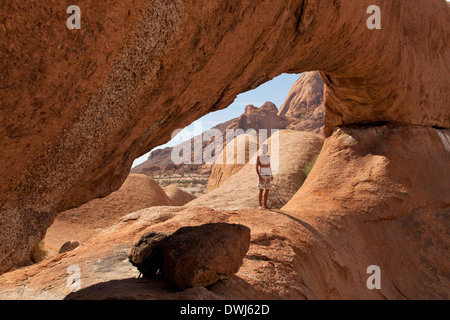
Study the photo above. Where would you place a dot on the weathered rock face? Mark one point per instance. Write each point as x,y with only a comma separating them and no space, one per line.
79,105
303,106
68,246
202,255
106,272
290,152
137,192
235,155
380,165
316,251
384,194
253,118
259,118
178,197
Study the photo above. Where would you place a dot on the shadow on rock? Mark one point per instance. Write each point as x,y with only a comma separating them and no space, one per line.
160,288
125,289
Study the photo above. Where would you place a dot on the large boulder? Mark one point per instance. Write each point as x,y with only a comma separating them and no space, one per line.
138,192
290,152
381,196
147,254
202,255
177,196
253,118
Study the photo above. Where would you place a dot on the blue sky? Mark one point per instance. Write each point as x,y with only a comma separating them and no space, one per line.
275,91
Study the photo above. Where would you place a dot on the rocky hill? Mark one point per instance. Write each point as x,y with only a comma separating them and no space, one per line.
160,163
389,209
78,106
239,152
236,189
80,224
303,107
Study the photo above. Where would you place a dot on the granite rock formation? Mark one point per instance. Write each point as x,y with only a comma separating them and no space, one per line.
82,223
303,107
160,160
177,196
382,196
202,255
234,156
78,106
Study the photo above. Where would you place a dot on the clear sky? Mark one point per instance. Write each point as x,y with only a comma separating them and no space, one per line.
274,91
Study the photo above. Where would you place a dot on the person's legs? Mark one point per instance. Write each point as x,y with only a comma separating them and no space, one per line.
261,198
266,196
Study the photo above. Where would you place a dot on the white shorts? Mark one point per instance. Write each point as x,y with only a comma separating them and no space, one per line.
266,182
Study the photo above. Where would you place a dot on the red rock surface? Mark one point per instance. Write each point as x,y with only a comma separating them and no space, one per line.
303,107
239,152
80,224
79,107
390,209
290,152
313,248
382,196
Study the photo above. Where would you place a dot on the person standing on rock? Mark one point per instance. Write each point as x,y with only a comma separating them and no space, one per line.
265,176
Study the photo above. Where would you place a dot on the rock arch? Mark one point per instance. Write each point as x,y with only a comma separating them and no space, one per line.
77,106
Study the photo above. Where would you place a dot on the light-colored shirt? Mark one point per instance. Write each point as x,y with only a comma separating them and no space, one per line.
265,171
264,159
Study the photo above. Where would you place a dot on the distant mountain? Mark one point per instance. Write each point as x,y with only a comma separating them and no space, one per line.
303,107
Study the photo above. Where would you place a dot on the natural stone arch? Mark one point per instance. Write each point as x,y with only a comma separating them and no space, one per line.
79,105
